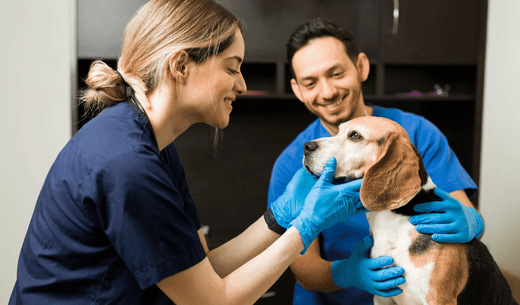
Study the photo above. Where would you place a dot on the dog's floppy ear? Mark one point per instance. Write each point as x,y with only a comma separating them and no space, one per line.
394,180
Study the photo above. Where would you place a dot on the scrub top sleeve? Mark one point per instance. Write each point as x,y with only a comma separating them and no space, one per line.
178,171
144,216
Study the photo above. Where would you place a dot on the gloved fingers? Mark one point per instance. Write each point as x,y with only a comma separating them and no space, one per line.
431,219
327,175
435,206
378,262
388,293
389,284
386,274
353,186
450,238
444,195
450,228
302,173
301,179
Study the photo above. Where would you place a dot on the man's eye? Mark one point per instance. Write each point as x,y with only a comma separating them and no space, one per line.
233,71
355,136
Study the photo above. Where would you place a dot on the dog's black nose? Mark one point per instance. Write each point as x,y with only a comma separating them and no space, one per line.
310,146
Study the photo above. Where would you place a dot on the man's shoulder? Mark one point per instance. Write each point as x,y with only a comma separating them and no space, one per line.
411,122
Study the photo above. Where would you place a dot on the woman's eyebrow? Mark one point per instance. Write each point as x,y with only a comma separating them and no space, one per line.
237,58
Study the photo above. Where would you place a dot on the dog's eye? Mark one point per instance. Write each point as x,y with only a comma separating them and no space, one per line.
355,136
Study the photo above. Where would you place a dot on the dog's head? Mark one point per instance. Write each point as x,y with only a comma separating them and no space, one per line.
376,149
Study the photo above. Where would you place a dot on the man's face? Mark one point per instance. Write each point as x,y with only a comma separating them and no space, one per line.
328,82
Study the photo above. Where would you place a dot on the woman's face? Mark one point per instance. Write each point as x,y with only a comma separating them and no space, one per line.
215,84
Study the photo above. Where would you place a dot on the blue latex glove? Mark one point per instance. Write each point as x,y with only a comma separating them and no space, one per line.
374,275
327,204
448,220
290,203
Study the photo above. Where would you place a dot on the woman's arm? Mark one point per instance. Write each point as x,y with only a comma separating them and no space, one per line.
325,205
236,252
200,284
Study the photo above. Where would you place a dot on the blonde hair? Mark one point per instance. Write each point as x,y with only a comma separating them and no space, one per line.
160,28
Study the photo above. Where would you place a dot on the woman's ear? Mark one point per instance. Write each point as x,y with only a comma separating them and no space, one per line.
178,65
363,66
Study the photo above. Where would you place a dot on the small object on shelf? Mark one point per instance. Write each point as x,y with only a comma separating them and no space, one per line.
443,92
438,92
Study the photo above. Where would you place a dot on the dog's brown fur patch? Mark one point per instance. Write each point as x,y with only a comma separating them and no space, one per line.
449,275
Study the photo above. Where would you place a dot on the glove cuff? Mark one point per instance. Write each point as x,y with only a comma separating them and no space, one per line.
306,232
272,224
479,222
334,273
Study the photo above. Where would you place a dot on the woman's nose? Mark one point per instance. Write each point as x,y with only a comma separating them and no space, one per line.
240,85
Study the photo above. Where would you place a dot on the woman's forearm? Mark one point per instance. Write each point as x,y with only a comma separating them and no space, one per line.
236,252
245,285
264,270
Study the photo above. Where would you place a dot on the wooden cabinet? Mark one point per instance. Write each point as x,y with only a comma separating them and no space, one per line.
429,31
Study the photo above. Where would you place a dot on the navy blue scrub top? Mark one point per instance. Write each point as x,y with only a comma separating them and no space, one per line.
113,219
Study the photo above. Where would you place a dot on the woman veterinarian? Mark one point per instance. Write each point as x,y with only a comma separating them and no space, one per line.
115,223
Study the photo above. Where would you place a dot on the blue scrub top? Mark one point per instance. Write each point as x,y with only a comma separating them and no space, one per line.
113,219
338,242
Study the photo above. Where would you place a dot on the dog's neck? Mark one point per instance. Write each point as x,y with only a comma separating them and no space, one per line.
424,195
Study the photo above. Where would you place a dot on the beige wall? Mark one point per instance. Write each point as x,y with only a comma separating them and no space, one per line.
37,53
500,163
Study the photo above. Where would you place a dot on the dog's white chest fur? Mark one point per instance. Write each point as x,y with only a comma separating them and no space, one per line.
392,237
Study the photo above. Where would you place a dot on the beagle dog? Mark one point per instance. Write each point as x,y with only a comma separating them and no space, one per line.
395,179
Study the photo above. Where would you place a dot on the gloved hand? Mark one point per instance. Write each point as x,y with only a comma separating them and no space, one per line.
448,220
327,204
374,275
290,203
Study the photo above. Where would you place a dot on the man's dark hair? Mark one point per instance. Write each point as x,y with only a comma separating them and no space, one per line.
318,28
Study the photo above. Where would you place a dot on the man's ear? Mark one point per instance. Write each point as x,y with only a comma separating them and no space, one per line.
296,89
178,65
363,66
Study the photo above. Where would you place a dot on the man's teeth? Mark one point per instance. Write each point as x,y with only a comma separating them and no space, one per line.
228,101
335,104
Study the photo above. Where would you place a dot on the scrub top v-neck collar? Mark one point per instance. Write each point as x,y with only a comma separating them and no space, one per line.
136,106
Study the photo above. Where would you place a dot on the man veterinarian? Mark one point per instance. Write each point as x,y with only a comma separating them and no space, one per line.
327,75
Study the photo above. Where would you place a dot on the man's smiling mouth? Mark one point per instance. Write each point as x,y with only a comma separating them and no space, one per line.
336,104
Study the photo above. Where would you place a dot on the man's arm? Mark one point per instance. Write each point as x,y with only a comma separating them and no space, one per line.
313,272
